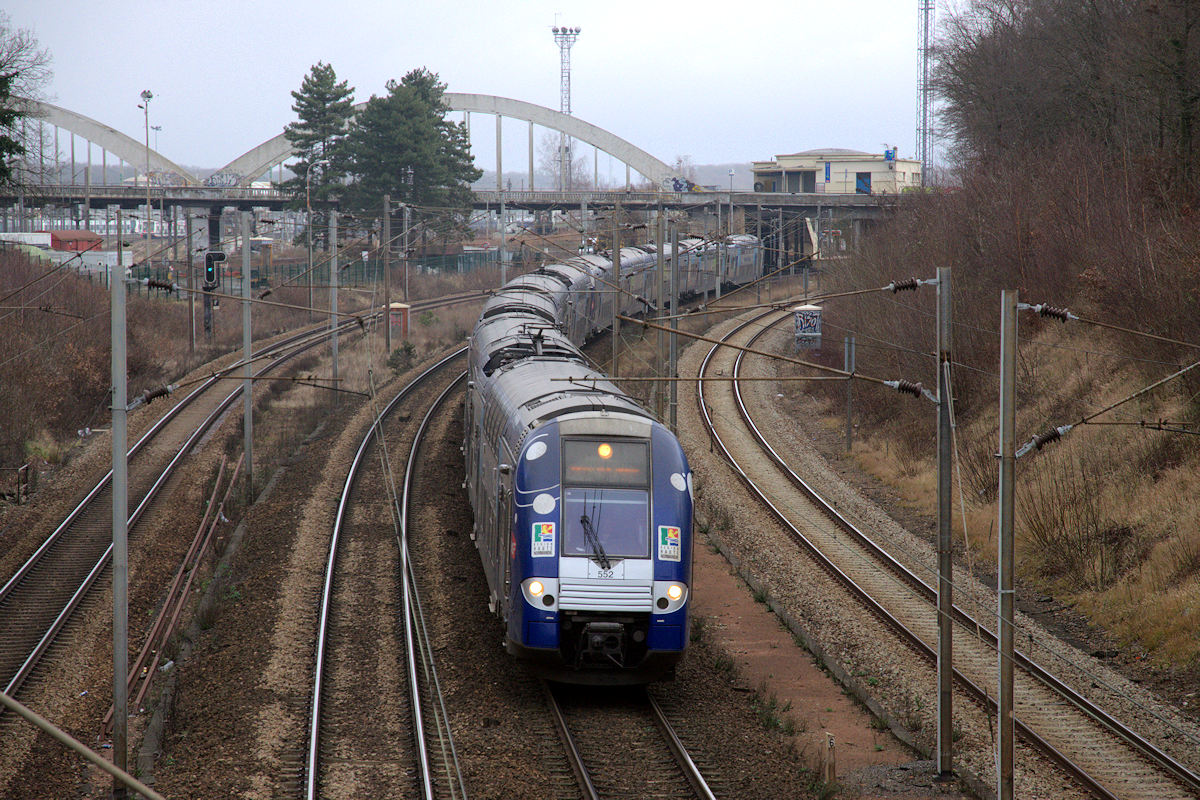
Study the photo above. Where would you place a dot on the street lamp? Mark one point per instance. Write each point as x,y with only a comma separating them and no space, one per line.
156,129
308,205
145,106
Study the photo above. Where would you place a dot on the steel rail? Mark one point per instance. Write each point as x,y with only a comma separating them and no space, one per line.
1179,771
916,642
574,757
916,583
686,764
375,430
414,612
88,582
146,438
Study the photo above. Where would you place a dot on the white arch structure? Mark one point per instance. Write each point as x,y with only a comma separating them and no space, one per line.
125,147
273,152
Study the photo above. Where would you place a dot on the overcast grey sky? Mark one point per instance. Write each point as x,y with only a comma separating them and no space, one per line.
719,82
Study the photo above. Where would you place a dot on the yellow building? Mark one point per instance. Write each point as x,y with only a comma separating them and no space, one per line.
837,171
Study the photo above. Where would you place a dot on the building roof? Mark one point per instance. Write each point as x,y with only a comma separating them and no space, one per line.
827,151
74,235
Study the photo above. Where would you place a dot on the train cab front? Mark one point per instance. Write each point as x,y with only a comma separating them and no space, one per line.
602,557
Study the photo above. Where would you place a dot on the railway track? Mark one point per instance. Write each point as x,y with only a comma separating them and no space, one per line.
621,744
377,724
40,598
37,602
1108,758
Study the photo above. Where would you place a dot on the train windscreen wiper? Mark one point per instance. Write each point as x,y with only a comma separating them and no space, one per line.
590,536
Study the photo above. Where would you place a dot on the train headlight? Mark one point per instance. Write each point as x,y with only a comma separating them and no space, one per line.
669,596
540,592
604,451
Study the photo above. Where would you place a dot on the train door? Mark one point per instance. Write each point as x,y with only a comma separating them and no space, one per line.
505,541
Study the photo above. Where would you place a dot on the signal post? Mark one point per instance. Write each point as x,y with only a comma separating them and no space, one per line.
212,280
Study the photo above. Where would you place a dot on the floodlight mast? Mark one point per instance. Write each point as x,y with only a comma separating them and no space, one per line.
927,10
565,38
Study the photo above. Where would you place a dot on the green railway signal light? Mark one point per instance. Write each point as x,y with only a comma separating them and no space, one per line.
212,274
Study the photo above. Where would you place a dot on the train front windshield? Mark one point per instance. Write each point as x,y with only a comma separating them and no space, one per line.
606,499
612,522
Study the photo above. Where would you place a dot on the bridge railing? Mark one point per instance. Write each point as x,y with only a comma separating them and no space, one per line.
180,193
212,195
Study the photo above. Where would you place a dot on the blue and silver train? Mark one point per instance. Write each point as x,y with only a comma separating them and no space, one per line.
582,500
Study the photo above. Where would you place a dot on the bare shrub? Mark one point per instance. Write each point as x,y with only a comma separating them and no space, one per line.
1069,535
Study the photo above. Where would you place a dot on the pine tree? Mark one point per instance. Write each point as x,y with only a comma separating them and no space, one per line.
323,106
10,145
401,144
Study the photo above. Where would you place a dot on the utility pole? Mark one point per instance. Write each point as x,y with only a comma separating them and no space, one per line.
145,106
500,254
120,522
849,367
660,297
187,251
673,367
616,293
406,246
945,596
387,270
247,369
758,253
333,297
717,293
1004,629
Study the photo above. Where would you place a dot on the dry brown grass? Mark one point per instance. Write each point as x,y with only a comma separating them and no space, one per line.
57,362
1106,517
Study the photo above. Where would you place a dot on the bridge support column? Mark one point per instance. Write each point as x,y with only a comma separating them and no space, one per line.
499,154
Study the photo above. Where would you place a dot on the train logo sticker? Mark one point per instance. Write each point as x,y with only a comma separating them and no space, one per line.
668,543
543,539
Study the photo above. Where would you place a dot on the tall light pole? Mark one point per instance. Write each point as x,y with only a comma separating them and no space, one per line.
308,206
156,129
565,38
145,106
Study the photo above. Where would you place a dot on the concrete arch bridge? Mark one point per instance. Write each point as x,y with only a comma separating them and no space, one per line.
271,154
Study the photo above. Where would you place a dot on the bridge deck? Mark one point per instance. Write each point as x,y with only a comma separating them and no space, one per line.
857,205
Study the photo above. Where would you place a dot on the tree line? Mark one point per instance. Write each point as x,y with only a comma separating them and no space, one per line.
398,144
1122,75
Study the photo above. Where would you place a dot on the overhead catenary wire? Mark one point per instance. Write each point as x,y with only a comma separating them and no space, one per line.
1066,315
918,558
1040,440
914,388
893,287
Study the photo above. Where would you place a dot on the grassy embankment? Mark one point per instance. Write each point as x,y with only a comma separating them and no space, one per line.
1106,518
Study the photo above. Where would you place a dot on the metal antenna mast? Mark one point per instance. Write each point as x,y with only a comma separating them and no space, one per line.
927,10
565,38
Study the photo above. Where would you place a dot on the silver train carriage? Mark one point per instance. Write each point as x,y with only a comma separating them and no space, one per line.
583,502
